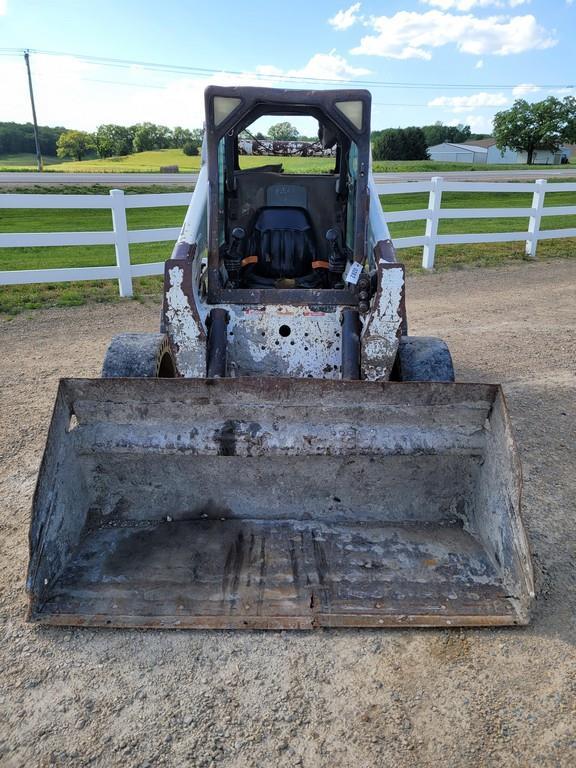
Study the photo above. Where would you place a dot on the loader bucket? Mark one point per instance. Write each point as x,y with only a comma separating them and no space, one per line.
278,503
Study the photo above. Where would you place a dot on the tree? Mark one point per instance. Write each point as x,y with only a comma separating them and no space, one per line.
190,148
570,105
16,138
75,144
439,133
543,124
389,145
282,132
400,144
113,140
151,136
415,147
181,137
197,134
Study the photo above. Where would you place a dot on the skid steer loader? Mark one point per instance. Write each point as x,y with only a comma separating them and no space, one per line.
282,454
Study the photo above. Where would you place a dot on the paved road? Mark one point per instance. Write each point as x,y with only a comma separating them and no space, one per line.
14,180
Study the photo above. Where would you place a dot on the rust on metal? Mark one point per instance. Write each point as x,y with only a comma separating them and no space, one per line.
278,503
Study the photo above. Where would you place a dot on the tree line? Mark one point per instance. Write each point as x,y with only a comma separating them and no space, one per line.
107,141
110,140
525,127
18,138
412,143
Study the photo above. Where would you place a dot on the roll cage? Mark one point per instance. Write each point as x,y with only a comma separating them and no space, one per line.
339,198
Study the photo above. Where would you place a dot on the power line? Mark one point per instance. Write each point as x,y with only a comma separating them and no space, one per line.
208,72
122,82
125,83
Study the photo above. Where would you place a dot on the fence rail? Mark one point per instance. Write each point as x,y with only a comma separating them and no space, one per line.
122,237
434,213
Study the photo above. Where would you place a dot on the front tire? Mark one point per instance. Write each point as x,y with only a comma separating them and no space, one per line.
422,358
139,355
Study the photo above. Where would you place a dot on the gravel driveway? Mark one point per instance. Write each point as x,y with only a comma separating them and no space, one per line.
323,699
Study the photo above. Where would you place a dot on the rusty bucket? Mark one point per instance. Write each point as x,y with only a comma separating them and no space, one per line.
278,503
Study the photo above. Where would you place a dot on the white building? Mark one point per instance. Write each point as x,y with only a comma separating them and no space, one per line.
458,153
482,151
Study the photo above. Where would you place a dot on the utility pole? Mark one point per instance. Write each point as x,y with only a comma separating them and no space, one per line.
36,139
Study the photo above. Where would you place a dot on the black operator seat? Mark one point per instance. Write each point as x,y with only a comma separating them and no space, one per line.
281,245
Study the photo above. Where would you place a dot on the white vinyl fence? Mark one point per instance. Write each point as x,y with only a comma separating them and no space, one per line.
434,212
119,236
122,237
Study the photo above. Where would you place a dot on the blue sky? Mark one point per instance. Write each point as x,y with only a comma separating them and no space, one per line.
427,60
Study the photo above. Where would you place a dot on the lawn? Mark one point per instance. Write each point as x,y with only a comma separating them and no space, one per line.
26,161
419,200
150,162
16,298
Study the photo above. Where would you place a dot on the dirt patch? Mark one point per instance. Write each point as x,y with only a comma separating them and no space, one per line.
326,698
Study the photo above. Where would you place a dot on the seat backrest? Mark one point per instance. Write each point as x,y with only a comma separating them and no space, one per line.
282,239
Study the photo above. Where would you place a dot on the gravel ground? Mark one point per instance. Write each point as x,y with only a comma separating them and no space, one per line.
354,699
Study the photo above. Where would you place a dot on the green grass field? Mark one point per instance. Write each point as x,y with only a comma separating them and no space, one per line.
150,162
26,162
14,299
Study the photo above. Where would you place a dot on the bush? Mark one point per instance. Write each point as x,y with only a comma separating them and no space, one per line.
190,148
400,144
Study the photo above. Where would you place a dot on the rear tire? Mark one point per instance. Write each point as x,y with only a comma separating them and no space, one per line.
422,358
139,355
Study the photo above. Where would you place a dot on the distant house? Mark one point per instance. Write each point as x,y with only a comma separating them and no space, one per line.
482,151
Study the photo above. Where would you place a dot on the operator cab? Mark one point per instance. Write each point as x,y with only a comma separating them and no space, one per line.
271,230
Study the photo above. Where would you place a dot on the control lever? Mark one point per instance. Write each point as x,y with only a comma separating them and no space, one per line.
337,258
233,258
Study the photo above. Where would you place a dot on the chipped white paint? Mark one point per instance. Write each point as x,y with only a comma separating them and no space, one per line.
392,285
278,340
379,339
186,334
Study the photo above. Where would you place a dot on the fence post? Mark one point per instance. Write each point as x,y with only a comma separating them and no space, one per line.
434,205
121,241
534,221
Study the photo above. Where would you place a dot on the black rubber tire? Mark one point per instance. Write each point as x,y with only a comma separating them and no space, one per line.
422,358
139,355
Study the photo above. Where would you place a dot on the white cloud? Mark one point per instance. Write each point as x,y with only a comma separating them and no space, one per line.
3,7
473,101
345,19
327,66
412,35
460,5
467,5
479,64
83,95
322,66
477,123
523,89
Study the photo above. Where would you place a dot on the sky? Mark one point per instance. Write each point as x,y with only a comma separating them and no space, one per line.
128,61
